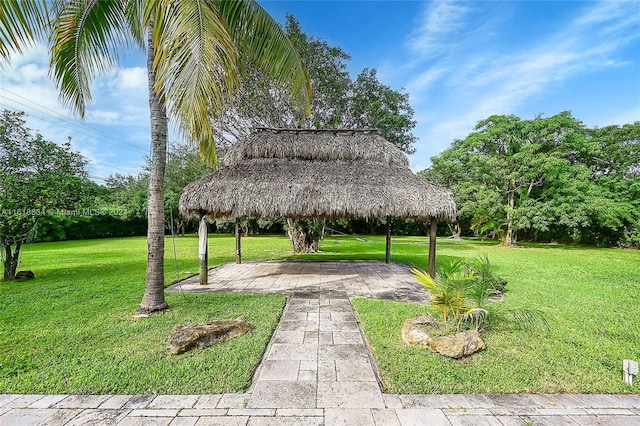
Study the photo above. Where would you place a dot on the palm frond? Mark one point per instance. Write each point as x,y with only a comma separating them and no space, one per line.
265,40
86,37
198,44
425,279
475,315
137,12
526,318
22,23
196,64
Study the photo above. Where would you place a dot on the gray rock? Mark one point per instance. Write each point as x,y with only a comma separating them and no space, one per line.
425,330
186,337
420,330
457,345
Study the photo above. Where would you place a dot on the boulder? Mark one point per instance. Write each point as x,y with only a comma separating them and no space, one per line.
457,345
186,337
420,330
424,330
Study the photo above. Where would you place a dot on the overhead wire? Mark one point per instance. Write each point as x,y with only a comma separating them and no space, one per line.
56,118
46,114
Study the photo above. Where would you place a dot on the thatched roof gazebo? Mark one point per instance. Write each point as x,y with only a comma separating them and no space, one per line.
304,173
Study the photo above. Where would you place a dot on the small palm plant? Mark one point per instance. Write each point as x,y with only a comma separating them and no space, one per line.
464,291
452,292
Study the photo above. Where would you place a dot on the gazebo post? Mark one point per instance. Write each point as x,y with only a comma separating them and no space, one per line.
387,258
238,242
203,250
433,232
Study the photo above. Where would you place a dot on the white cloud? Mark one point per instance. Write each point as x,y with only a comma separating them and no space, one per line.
425,80
439,21
116,125
134,78
480,82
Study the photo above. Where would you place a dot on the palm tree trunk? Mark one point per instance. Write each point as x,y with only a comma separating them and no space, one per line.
153,299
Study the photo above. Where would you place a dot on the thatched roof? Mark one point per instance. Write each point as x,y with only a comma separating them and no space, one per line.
315,173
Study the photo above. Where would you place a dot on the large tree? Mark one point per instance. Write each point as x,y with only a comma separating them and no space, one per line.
38,178
338,102
612,156
550,178
511,175
193,51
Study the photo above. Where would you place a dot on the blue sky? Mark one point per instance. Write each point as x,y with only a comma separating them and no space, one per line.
460,62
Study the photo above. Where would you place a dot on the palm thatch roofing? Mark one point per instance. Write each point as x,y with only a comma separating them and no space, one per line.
315,173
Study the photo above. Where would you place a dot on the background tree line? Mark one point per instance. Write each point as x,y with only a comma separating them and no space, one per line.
546,179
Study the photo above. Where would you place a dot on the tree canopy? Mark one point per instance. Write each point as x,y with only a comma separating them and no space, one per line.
338,100
545,179
193,49
38,179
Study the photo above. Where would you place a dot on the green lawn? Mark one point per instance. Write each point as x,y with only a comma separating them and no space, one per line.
70,330
590,297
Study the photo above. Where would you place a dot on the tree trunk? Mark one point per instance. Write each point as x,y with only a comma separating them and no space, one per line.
11,261
238,242
203,250
372,226
303,236
455,231
511,202
153,299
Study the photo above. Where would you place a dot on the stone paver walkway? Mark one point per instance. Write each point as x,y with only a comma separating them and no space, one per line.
318,359
317,371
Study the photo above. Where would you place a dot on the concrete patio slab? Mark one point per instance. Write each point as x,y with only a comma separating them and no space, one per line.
349,416
422,416
274,369
97,417
173,401
349,395
385,416
82,401
323,280
22,401
286,421
26,417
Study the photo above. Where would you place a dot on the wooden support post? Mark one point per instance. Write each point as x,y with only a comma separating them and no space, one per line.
238,242
433,233
387,258
203,251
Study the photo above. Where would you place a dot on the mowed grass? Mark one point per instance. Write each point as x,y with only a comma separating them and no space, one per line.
70,330
589,296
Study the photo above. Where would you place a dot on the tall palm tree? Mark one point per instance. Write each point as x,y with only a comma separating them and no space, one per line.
192,61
